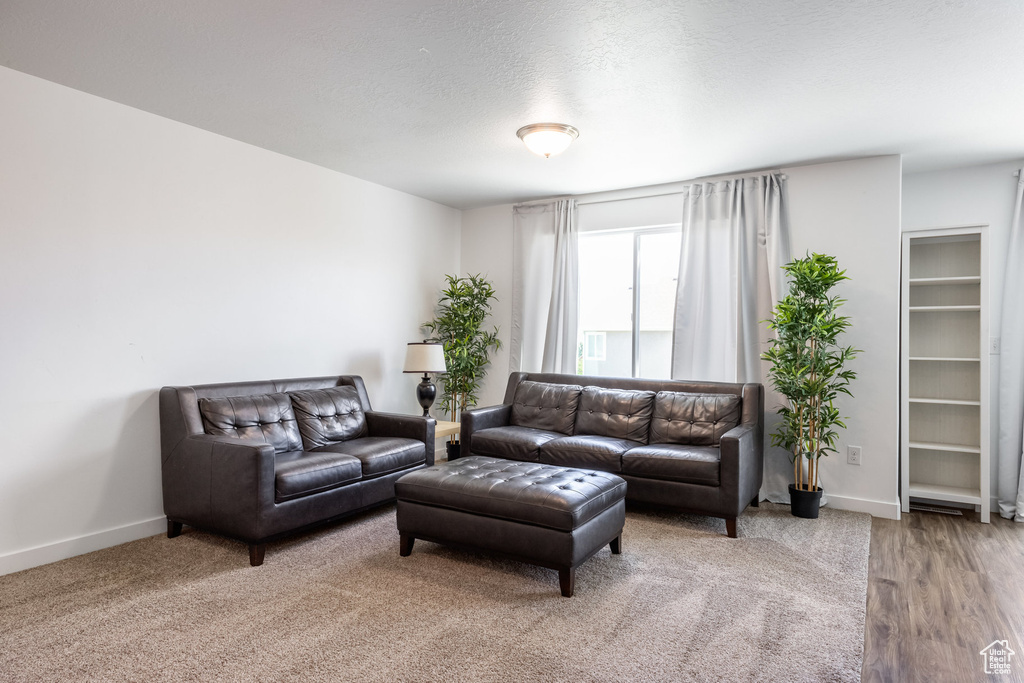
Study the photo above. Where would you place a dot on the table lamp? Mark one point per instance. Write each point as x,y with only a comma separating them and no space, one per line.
425,357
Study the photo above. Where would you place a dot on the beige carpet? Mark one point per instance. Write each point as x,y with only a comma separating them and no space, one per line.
785,602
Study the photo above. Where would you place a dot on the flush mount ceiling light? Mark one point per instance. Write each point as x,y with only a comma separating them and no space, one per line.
547,139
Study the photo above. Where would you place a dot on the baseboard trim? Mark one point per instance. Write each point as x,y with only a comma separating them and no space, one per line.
875,508
61,550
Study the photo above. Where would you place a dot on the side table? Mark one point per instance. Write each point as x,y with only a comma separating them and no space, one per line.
443,429
447,429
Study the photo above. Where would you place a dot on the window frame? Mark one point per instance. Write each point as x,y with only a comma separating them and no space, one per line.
638,233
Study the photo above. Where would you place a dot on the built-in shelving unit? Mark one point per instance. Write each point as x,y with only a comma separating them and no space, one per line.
944,440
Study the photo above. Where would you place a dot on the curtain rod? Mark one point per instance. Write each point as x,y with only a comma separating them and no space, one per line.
702,179
624,199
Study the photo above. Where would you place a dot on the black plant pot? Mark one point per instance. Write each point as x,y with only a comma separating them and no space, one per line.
452,448
804,503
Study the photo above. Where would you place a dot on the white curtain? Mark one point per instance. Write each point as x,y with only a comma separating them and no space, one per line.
1011,372
545,288
735,242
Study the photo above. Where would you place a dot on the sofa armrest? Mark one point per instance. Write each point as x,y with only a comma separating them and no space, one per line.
482,418
742,466
221,482
405,427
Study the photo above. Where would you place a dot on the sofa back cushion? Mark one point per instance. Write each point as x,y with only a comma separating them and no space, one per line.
551,407
693,419
260,417
328,416
618,413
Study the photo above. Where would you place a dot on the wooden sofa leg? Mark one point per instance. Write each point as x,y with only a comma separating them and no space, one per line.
405,542
616,545
756,502
256,552
730,526
173,529
567,581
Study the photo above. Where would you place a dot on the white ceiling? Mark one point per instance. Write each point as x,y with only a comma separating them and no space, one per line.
426,95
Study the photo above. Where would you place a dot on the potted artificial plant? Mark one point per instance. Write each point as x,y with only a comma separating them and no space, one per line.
808,369
459,326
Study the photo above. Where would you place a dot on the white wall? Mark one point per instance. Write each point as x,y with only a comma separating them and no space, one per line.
137,252
487,250
851,210
975,195
848,209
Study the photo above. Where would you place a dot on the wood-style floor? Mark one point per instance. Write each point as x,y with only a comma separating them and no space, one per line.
941,588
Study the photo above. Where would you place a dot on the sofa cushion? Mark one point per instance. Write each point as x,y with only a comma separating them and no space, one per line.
267,418
549,407
673,462
694,419
380,455
618,413
511,443
301,473
587,451
326,416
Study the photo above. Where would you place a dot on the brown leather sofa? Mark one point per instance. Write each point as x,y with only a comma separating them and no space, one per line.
258,460
693,446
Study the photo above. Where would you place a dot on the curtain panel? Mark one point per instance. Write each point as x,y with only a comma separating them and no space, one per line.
1010,485
735,241
545,288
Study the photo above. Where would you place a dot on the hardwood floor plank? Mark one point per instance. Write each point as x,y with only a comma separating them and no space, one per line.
1002,560
940,589
884,632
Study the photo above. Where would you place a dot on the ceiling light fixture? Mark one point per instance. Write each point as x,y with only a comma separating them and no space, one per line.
547,139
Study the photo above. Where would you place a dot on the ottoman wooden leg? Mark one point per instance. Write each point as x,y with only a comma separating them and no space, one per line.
567,581
405,542
616,545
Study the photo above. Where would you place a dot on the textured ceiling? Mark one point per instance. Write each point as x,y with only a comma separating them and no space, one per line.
425,96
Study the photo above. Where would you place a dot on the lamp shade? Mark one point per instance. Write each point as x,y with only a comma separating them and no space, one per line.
424,357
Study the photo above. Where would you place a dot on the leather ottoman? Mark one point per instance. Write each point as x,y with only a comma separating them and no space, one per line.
555,517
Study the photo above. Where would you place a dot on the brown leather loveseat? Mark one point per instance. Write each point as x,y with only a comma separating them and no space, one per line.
258,460
692,446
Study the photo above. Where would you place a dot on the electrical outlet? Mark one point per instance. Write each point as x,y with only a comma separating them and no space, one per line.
993,346
853,455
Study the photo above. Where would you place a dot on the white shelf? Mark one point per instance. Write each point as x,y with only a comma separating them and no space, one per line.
933,309
952,494
959,280
944,407
948,447
945,401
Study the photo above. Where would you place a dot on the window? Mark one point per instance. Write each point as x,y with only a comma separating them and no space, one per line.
594,343
627,301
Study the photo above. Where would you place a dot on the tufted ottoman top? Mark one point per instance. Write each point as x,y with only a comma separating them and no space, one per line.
545,495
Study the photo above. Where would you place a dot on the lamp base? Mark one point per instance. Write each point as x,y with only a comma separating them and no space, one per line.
426,392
